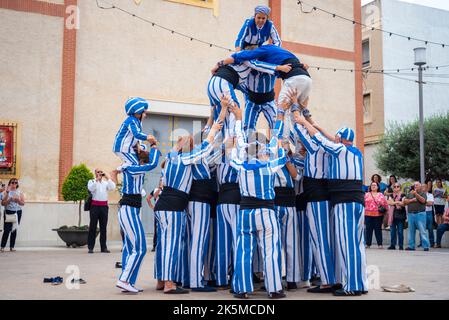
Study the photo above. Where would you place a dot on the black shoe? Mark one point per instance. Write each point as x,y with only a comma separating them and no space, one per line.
105,251
204,289
409,249
419,245
337,286
401,248
291,286
277,295
320,290
90,251
365,292
154,249
242,295
186,286
391,248
80,281
118,265
344,293
178,290
426,249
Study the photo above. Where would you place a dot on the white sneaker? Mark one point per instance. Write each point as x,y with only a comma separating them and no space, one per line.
138,289
126,287
304,284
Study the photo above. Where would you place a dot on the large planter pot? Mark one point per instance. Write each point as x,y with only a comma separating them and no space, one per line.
74,238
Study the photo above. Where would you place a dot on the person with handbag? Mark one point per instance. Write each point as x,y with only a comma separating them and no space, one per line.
13,200
399,217
99,188
375,207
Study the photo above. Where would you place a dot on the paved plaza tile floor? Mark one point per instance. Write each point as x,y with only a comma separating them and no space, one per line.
22,274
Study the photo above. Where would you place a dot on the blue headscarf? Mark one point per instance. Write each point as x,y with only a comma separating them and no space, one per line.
262,9
346,133
136,105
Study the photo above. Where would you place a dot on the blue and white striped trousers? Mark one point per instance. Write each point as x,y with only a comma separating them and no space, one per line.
349,246
128,158
252,112
172,226
305,248
183,268
210,263
135,243
322,237
288,222
199,213
226,240
216,88
257,227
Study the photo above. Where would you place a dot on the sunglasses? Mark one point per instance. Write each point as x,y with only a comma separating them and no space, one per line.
396,187
14,182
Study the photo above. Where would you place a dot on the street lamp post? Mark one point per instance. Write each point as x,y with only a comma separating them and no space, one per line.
420,61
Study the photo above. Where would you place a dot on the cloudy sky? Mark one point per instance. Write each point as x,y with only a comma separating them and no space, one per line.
440,4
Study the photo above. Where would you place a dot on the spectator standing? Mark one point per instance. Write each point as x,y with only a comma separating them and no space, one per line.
429,214
390,188
374,201
442,228
440,196
399,217
13,200
99,187
415,201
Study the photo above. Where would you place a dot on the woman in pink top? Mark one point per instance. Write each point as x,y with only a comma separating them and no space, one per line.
373,218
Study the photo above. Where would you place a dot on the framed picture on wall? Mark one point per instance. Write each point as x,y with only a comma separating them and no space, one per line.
8,149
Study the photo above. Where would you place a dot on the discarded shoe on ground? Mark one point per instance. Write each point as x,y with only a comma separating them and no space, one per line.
398,288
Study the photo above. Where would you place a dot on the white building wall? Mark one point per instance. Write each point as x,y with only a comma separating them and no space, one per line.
401,97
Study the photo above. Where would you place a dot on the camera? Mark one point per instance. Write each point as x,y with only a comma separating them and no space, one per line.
103,175
412,188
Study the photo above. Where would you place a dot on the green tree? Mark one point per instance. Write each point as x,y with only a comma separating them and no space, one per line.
74,187
398,152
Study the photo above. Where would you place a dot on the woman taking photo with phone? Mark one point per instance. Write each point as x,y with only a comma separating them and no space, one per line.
13,200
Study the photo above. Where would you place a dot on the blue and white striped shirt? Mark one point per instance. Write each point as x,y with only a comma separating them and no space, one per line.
256,178
134,175
178,167
250,34
345,162
245,68
316,163
126,138
260,82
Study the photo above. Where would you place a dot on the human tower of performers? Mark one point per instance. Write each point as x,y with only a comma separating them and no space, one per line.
233,208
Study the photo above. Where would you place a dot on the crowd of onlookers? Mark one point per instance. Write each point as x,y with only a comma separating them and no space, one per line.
395,207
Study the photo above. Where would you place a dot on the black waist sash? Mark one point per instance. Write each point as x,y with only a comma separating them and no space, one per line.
346,191
261,98
229,194
297,69
285,197
229,74
132,200
316,190
172,200
203,191
301,202
250,203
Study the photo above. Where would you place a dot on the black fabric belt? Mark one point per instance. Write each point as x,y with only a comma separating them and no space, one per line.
297,69
285,197
261,98
229,74
172,199
229,194
316,189
203,191
346,191
132,200
249,203
301,202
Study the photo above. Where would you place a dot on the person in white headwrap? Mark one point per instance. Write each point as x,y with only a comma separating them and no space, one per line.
257,30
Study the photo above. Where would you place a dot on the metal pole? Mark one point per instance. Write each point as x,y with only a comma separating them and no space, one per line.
421,127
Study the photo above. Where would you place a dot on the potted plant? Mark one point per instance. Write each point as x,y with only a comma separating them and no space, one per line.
74,189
